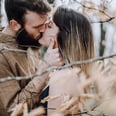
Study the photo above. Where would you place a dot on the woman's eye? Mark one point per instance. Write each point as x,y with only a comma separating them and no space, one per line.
50,24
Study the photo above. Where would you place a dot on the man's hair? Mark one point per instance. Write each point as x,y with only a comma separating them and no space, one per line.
75,39
16,9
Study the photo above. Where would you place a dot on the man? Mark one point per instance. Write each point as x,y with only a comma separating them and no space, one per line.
19,53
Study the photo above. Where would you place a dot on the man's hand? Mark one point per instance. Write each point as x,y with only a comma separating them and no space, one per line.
52,56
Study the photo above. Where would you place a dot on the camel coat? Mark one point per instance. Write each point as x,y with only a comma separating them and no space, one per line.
15,63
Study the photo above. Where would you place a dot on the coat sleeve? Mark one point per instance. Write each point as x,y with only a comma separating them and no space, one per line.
11,93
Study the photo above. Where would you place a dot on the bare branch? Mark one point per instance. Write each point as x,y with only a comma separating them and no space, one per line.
51,68
19,50
107,20
100,10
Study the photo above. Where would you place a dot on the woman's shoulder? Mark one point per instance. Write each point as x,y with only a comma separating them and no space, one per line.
65,72
65,75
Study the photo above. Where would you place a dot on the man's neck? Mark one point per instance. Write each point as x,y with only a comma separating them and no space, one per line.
7,30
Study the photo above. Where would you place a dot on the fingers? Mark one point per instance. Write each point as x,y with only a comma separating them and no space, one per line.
52,56
73,109
51,44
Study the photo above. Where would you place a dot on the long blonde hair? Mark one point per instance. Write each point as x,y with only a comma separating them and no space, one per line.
75,39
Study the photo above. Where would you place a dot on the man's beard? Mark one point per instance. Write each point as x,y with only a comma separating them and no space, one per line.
25,40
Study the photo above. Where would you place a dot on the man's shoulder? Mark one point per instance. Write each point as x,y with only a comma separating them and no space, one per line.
5,38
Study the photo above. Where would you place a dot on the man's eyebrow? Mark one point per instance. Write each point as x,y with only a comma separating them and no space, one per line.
38,25
45,22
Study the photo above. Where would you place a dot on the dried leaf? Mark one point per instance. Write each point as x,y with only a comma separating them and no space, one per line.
37,112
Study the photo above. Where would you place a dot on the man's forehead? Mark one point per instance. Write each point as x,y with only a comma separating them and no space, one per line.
34,19
42,22
30,15
46,18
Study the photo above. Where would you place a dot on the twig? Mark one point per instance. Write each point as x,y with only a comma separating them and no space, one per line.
51,68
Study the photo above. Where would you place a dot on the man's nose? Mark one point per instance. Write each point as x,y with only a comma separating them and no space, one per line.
43,28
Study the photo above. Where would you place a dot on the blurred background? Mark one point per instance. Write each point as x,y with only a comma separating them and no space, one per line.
101,14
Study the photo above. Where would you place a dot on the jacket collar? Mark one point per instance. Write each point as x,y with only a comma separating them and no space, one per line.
5,38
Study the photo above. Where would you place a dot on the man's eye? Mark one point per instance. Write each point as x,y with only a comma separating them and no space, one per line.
39,26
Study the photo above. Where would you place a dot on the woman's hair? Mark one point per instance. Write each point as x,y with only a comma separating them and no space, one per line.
75,39
16,9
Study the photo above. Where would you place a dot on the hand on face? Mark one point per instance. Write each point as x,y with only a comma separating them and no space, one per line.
52,55
50,33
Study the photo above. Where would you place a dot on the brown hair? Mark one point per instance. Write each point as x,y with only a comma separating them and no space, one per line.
75,39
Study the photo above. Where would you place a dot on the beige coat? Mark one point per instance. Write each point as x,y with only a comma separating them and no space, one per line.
13,64
69,82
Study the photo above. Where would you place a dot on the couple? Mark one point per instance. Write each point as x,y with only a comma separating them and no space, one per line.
68,38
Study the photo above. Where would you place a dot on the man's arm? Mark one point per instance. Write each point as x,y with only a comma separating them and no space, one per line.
52,57
16,94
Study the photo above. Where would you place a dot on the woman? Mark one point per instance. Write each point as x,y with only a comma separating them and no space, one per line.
72,34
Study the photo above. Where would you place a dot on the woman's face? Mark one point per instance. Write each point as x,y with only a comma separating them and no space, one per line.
49,34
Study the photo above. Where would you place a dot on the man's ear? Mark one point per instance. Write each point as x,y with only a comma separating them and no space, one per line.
14,25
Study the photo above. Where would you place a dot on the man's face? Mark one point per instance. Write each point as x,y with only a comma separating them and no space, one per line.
35,25
49,34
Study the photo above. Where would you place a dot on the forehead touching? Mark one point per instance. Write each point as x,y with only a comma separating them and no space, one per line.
34,19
